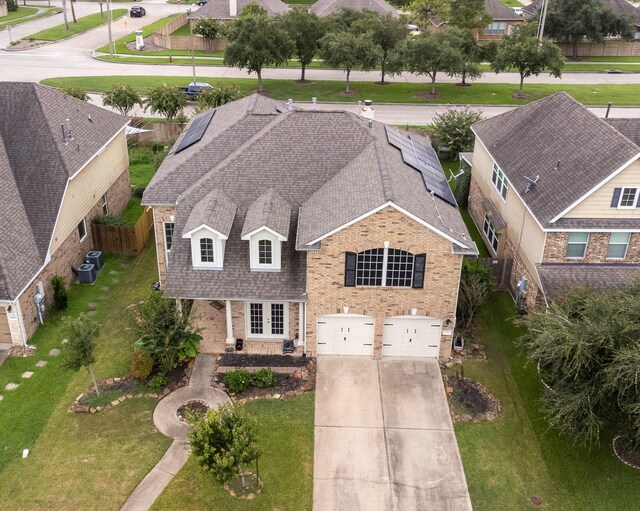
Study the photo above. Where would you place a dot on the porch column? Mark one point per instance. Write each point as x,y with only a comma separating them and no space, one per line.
227,308
302,326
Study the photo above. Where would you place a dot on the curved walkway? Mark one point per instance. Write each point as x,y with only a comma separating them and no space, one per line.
166,420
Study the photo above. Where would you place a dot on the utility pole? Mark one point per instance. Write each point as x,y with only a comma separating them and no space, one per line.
110,19
193,56
543,19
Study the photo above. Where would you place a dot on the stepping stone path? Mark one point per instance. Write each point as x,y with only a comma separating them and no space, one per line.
65,341
27,374
1,397
41,363
54,352
93,305
12,386
91,313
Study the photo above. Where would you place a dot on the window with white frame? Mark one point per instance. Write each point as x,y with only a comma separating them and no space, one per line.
265,252
370,267
399,268
82,230
577,245
490,232
618,244
206,250
499,181
104,205
168,235
628,197
495,28
384,267
265,249
267,319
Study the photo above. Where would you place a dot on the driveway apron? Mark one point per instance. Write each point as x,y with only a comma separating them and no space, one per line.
384,438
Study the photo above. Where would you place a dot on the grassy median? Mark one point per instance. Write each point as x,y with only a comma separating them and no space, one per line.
60,32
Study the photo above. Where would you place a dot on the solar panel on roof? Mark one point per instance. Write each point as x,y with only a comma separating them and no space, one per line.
195,131
423,158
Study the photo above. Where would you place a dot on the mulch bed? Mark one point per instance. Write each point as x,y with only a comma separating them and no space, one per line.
245,360
22,351
479,404
195,407
626,455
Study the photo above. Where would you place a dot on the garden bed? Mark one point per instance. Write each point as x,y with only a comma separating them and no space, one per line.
246,360
470,401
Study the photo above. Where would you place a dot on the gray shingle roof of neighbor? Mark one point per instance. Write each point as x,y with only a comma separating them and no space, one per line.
630,128
556,278
35,165
500,12
326,7
219,9
624,8
214,210
558,139
269,210
329,167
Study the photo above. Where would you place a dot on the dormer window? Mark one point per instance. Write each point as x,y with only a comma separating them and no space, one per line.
206,250
265,251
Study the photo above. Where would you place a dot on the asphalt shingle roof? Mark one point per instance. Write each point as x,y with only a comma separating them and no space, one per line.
556,278
219,9
269,210
326,7
498,11
214,210
558,139
35,165
327,167
630,128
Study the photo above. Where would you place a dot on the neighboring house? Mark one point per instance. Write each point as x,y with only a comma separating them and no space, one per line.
284,223
4,11
503,19
62,162
557,190
326,7
229,9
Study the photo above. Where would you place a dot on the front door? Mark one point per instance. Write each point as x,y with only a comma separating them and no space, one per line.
268,319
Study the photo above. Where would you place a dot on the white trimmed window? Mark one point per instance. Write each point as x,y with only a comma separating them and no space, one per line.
168,235
499,181
628,197
265,249
490,232
82,230
577,245
207,249
267,319
618,244
104,205
389,267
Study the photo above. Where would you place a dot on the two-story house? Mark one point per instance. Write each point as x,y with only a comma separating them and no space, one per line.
62,162
557,189
322,226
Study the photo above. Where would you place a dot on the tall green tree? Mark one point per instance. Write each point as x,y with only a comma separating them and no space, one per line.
166,100
426,10
577,20
587,346
468,14
223,441
122,97
209,28
431,53
471,54
305,30
388,32
79,353
256,40
218,95
522,51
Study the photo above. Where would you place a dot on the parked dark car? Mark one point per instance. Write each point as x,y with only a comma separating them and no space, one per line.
137,11
202,2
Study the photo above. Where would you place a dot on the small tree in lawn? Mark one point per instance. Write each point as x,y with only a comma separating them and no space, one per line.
431,53
522,51
255,40
452,128
166,100
79,352
388,32
305,30
476,281
471,55
122,97
224,441
218,95
165,332
76,92
348,50
209,28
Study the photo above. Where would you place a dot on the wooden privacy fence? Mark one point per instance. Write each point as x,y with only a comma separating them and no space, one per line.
501,269
123,240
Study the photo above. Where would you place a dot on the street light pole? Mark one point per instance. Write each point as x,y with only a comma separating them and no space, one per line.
109,20
193,57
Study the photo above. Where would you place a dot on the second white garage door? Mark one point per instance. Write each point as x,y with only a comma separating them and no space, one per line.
411,336
345,334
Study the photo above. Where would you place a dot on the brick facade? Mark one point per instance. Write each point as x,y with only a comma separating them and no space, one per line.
325,276
555,249
70,253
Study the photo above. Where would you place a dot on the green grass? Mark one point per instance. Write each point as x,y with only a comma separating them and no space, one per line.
59,32
285,430
508,460
20,13
13,21
611,59
141,167
147,30
512,3
183,30
133,211
398,92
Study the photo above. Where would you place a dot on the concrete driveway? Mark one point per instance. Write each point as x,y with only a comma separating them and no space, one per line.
384,438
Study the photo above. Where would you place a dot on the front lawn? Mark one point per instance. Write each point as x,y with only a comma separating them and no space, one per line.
517,456
86,23
285,430
20,13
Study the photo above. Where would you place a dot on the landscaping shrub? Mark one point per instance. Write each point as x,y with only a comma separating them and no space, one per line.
264,378
138,191
112,220
461,192
158,157
60,296
157,382
12,5
237,381
76,92
141,365
452,129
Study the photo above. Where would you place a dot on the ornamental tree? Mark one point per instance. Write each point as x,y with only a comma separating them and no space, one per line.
431,53
476,282
388,32
122,97
209,28
218,95
471,55
166,100
452,128
305,29
79,353
76,92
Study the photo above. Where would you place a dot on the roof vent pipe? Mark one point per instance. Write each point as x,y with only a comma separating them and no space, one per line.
314,102
360,109
606,116
289,104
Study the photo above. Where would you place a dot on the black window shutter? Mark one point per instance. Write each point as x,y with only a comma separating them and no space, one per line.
350,269
616,197
419,265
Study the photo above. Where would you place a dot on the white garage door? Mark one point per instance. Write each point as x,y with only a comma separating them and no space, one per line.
411,336
345,334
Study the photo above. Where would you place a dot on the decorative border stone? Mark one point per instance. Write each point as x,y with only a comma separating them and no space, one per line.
619,456
249,496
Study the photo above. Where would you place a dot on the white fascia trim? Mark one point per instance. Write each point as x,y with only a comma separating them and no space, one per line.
166,266
206,227
100,151
380,208
593,230
280,237
511,188
595,188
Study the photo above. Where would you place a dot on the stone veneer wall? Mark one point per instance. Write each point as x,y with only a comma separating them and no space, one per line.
325,276
555,249
70,253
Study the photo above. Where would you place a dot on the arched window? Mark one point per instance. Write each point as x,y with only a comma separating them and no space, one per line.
386,267
206,250
370,266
